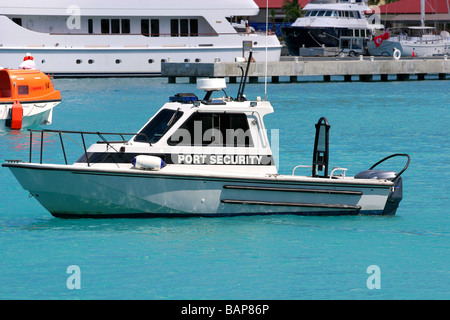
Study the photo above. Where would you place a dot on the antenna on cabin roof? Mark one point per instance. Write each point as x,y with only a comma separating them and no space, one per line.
240,95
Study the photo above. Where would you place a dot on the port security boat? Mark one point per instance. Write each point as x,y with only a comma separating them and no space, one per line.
201,157
123,38
27,98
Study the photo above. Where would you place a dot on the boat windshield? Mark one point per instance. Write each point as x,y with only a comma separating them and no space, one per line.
159,125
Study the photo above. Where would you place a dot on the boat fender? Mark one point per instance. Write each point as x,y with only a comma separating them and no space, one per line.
148,162
397,54
16,116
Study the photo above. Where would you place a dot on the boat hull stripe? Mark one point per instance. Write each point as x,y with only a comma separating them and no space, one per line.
292,204
356,193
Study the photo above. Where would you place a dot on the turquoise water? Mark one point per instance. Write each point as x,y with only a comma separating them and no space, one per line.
262,257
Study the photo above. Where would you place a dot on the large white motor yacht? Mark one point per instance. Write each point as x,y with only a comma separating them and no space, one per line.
327,21
98,37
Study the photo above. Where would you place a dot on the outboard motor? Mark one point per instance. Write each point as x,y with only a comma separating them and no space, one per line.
396,194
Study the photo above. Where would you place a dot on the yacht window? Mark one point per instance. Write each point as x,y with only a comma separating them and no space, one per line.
307,14
145,27
184,27
328,13
321,13
313,13
115,26
357,15
159,125
216,129
17,21
194,27
155,27
105,25
125,25
335,13
174,27
90,26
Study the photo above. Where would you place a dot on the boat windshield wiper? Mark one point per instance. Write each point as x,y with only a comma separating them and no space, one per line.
171,121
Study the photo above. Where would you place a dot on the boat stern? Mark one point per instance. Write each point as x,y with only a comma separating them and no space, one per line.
396,193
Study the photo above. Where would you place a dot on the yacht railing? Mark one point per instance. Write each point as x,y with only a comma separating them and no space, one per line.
336,1
82,134
164,35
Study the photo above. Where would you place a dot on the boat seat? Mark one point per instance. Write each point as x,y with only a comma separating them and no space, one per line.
319,167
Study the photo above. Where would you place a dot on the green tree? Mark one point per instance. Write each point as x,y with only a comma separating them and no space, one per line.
272,14
291,9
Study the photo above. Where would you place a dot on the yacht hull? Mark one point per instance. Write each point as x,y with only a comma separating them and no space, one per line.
73,191
309,37
130,61
423,49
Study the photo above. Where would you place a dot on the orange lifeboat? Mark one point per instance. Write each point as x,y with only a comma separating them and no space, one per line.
27,98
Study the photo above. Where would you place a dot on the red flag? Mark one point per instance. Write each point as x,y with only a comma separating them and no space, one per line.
378,40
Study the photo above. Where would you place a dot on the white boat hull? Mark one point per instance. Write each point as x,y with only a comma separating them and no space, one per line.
78,191
127,61
385,49
423,49
34,114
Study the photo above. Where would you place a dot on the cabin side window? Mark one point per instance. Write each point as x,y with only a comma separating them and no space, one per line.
115,26
90,26
145,27
104,25
125,24
213,129
174,27
158,126
17,21
193,23
155,27
184,27
23,90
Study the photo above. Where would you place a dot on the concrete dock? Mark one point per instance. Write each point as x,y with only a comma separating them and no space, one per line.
363,68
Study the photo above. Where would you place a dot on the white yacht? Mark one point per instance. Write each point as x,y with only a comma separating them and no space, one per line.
201,157
416,41
419,41
98,37
325,22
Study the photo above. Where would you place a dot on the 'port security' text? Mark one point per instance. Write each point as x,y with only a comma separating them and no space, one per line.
223,159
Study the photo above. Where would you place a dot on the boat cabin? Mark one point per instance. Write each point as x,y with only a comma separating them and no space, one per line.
26,85
221,134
